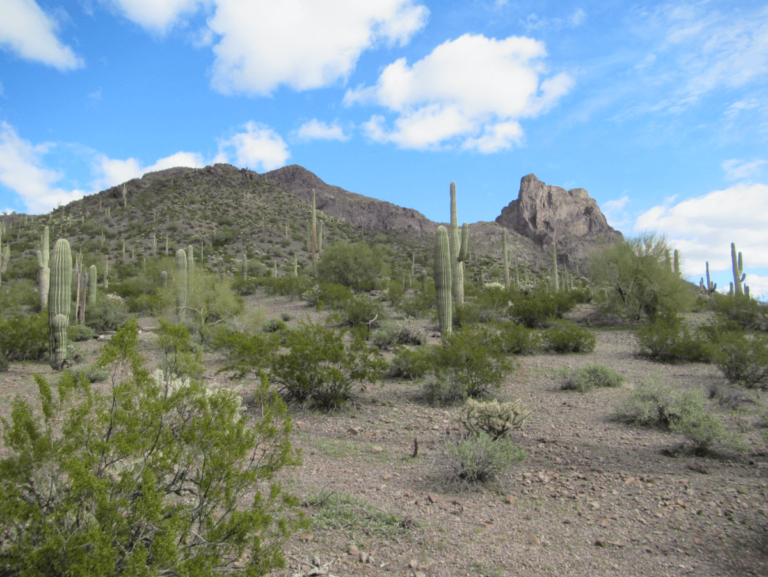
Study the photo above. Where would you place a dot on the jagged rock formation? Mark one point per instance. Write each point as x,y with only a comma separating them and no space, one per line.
369,213
543,212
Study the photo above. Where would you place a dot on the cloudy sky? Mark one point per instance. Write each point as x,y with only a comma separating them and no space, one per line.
659,110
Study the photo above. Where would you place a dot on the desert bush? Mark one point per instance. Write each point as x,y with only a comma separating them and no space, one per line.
108,314
19,296
479,458
410,364
589,377
290,286
748,313
244,287
534,309
493,418
566,337
471,361
320,369
88,474
743,359
517,339
3,362
286,317
25,337
338,510
273,326
244,354
395,291
417,305
667,339
355,266
92,373
329,295
363,310
80,333
391,334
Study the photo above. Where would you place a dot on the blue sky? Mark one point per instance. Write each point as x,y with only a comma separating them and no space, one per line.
659,110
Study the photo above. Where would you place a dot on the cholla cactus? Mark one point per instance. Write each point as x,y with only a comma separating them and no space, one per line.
493,418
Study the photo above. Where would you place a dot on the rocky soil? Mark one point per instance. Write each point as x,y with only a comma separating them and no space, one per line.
594,497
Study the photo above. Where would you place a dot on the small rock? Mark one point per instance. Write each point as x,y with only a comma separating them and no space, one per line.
432,498
300,425
413,564
307,537
386,476
316,561
698,467
600,543
354,551
363,556
534,540
376,449
419,574
510,500
594,505
353,431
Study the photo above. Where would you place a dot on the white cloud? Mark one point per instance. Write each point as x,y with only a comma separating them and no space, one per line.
615,211
472,89
758,285
704,227
156,15
534,22
303,44
114,171
31,33
258,148
736,169
22,170
318,130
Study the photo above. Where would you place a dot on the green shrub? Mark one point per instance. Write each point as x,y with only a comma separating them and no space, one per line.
355,266
19,296
391,334
493,418
519,340
743,359
108,314
92,373
342,511
25,337
286,317
472,361
178,468
243,287
330,295
244,354
417,305
748,313
80,333
395,291
3,362
273,326
480,458
534,309
410,364
589,377
363,310
566,337
320,369
667,339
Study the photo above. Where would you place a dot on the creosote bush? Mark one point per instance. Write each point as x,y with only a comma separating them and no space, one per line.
363,310
409,363
144,480
743,359
587,378
25,337
667,339
567,337
517,339
478,458
391,334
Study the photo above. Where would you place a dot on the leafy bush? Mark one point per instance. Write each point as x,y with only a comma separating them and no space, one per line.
244,353
108,314
395,291
480,458
342,511
3,362
667,339
177,467
493,418
534,309
410,364
243,287
519,340
743,359
589,377
472,361
320,369
290,286
92,373
330,295
19,296
286,317
418,304
25,337
363,310
80,333
566,337
273,326
355,266
391,334
748,313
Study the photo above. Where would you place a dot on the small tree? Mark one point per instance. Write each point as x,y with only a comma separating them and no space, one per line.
153,478
356,266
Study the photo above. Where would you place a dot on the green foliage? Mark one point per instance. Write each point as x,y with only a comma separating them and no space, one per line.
395,291
3,362
445,264
418,304
244,354
517,339
330,295
743,359
479,458
342,511
355,266
748,313
363,310
587,378
567,337
410,364
471,362
274,326
533,309
493,418
640,282
80,333
19,296
108,314
92,373
391,334
209,300
668,339
144,480
287,286
319,368
25,337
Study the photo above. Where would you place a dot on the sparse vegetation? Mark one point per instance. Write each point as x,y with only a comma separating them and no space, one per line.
587,378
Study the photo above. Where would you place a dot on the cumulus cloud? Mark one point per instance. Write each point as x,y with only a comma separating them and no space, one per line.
472,89
704,227
758,286
258,147
157,16
318,130
303,44
736,169
112,171
615,211
31,33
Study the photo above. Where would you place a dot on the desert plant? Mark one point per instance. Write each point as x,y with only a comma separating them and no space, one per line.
410,364
667,339
143,478
59,301
493,418
533,309
443,282
587,378
738,271
355,266
342,511
567,337
479,458
273,326
363,310
25,337
517,339
43,262
747,312
80,333
108,314
391,334
743,359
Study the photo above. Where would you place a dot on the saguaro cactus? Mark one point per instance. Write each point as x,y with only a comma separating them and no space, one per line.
181,283
458,250
59,299
738,270
677,262
106,272
443,284
295,266
710,287
83,292
43,261
320,237
92,278
313,235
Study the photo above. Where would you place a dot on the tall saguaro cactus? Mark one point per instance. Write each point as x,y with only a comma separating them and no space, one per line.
505,256
458,250
92,278
181,283
313,235
43,262
59,299
443,284
738,270
83,291
710,287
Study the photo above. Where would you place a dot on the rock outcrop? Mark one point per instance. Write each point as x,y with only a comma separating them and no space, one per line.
543,213
369,213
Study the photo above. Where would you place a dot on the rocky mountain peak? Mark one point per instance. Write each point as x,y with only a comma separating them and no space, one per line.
546,213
